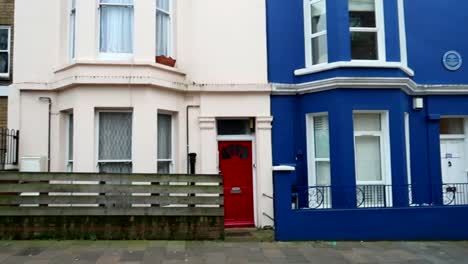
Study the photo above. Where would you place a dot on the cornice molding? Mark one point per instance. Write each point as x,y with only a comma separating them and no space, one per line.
405,84
264,122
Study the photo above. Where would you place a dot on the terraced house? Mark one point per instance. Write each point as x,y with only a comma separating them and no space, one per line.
370,107
145,86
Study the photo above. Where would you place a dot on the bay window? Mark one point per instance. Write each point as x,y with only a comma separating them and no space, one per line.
72,26
163,27
318,136
116,26
115,141
164,158
5,51
315,32
370,150
366,27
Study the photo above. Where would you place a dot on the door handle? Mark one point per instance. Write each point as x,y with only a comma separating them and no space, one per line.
236,190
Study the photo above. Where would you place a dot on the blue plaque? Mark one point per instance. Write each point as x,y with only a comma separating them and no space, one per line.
452,60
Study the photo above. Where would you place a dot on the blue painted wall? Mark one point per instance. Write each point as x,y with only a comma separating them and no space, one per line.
432,27
290,146
411,223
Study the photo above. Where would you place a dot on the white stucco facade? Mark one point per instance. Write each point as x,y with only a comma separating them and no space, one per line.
221,71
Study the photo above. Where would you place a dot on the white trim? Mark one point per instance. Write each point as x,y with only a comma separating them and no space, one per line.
235,137
402,33
405,84
408,148
354,64
283,168
460,136
8,51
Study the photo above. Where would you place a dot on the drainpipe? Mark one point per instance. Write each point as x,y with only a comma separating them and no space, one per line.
188,135
49,101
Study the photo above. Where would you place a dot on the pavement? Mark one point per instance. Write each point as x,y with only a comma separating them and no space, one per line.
234,249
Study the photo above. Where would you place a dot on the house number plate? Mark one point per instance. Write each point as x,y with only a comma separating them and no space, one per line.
236,190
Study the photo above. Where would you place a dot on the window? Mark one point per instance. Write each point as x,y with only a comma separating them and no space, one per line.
315,31
70,143
452,126
366,27
235,126
116,34
72,23
5,55
319,178
370,153
163,27
164,158
115,142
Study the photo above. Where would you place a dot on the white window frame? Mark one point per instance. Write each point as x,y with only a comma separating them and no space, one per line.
385,158
72,30
308,35
379,29
97,116
172,159
69,164
312,160
8,51
170,41
110,55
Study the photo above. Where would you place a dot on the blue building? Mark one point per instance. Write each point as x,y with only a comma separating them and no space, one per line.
370,106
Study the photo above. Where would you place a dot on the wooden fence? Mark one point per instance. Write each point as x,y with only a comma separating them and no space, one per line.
110,206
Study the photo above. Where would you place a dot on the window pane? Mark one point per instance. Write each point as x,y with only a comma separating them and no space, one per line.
130,2
115,136
72,34
163,4
362,13
368,160
234,127
364,46
321,136
164,166
70,137
323,173
164,136
116,29
162,33
119,167
318,17
452,126
319,50
4,39
367,122
4,62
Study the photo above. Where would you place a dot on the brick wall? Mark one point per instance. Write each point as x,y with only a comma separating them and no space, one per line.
7,8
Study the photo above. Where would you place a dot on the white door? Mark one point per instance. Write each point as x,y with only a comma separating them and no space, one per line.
453,161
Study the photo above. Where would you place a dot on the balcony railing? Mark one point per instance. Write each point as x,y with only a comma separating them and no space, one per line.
374,196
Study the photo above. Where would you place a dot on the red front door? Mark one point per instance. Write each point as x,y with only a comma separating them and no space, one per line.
235,163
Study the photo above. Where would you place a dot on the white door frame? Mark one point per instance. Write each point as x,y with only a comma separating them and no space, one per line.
465,137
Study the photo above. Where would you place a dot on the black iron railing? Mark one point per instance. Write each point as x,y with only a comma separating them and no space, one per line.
375,196
9,144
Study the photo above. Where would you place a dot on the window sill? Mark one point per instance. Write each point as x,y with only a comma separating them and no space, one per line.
353,64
